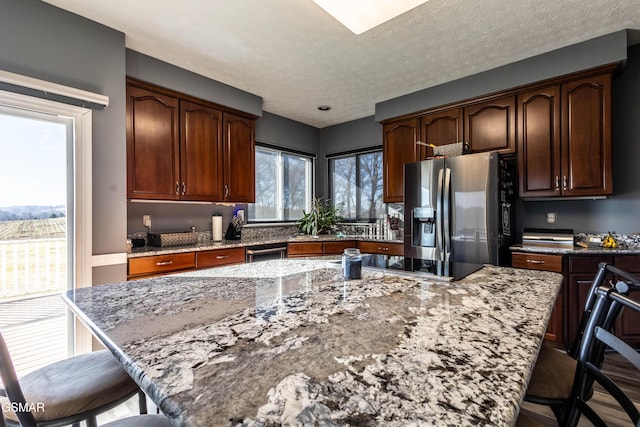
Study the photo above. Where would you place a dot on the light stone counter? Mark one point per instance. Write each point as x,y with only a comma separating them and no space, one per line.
288,342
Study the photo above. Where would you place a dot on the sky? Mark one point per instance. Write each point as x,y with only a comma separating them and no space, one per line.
32,162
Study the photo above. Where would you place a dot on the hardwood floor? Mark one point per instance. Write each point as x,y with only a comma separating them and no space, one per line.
621,372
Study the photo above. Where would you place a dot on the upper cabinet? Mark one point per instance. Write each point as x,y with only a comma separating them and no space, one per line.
440,128
399,146
239,157
153,168
182,148
559,129
491,125
564,139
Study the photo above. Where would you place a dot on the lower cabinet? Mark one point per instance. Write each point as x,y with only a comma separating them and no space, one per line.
628,325
157,265
382,248
220,257
305,249
546,262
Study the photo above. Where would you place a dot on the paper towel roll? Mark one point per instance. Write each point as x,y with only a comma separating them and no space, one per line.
216,228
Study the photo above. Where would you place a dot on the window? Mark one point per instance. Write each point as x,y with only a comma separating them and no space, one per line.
356,185
283,185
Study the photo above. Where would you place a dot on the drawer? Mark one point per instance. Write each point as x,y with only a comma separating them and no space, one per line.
394,249
334,248
161,263
532,261
218,257
587,264
628,263
304,249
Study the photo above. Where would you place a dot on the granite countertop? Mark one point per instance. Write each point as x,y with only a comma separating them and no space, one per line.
224,244
591,250
289,342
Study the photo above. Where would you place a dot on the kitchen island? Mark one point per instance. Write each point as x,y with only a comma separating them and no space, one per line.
290,342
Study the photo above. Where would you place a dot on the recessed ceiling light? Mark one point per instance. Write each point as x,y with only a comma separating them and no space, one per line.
361,16
324,107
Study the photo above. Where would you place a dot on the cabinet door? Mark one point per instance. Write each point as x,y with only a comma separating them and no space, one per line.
153,159
491,125
628,325
399,146
440,128
219,257
304,249
382,248
546,262
539,142
336,248
201,152
586,147
160,264
239,159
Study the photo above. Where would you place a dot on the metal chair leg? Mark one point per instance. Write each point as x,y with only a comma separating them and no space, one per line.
142,401
92,422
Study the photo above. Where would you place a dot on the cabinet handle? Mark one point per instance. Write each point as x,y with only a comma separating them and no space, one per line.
177,188
222,256
161,263
557,183
535,261
184,188
565,183
226,190
383,249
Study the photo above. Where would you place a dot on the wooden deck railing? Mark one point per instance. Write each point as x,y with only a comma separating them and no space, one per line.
32,267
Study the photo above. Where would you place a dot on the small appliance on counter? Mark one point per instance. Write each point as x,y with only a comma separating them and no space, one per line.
548,238
181,238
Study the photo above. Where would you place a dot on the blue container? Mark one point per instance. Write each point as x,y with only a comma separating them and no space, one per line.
351,264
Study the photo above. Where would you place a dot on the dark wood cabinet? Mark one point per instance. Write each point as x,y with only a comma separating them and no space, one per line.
183,148
546,262
220,257
539,142
381,248
302,249
441,128
586,137
157,265
239,159
399,146
491,125
628,325
153,148
201,152
564,139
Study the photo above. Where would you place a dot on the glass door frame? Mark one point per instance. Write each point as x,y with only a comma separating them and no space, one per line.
79,173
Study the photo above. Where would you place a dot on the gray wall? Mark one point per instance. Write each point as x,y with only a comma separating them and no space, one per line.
41,41
603,50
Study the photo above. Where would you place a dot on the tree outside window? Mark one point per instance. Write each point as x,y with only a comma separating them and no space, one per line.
283,185
356,185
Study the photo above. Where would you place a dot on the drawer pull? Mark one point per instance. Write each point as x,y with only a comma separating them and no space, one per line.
161,263
383,249
222,256
535,261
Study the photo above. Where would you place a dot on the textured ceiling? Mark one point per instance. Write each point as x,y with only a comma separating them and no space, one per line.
297,57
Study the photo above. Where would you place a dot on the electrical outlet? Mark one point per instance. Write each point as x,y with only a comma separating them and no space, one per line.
146,220
551,217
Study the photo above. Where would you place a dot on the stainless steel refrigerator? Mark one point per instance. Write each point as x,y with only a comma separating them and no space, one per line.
458,213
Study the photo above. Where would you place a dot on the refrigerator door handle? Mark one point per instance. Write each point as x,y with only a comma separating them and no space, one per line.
439,240
447,216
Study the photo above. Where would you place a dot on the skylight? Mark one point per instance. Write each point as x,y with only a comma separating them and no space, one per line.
363,15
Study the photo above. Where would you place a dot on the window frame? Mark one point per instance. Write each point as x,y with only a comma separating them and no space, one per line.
330,184
309,174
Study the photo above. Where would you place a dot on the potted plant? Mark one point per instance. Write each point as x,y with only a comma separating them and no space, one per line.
322,218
